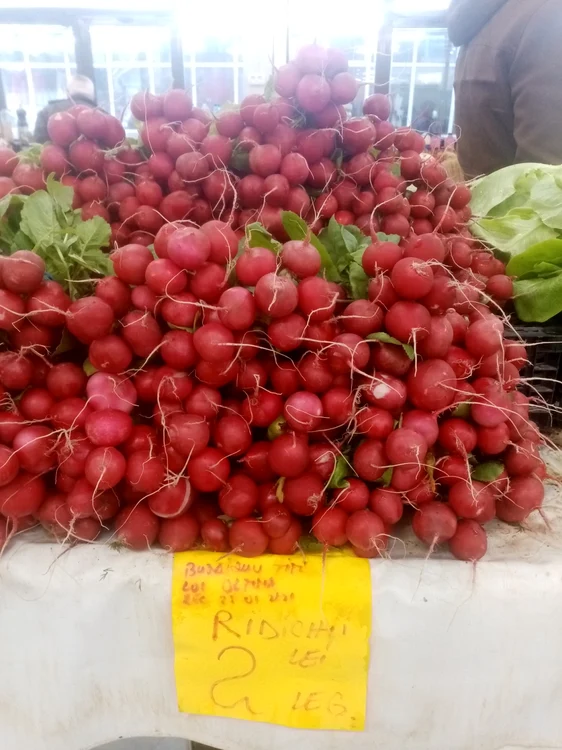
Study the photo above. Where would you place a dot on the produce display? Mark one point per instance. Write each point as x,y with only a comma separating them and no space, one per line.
295,335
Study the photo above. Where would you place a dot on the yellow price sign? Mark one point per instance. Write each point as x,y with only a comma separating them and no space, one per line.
274,639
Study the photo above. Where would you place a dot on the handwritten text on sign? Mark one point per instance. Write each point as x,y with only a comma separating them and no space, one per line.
274,639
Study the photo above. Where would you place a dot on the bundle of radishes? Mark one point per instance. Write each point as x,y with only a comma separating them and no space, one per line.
298,152
242,399
246,384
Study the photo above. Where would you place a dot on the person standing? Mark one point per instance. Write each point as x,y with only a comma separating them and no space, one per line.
507,82
80,90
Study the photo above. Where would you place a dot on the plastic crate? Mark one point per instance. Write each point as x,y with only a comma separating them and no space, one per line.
544,352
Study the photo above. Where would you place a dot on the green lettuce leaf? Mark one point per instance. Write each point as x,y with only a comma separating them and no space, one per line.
538,300
514,232
549,252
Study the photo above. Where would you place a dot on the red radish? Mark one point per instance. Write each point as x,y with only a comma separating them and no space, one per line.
374,422
329,526
136,527
304,494
209,470
12,309
353,497
265,160
387,505
105,467
432,386
179,533
412,278
116,293
469,542
524,495
423,423
142,333
89,319
145,472
303,411
84,502
253,264
408,321
172,500
406,447
189,434
108,427
22,496
366,532
386,392
457,436
286,333
247,537
522,459
239,497
36,404
110,392
22,272
369,460
434,523
9,465
288,455
15,371
473,500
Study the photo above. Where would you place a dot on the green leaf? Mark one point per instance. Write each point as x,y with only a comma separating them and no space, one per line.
93,234
384,338
538,300
258,236
61,194
526,262
546,200
487,472
240,160
338,479
358,281
515,232
297,229
395,238
276,428
335,243
462,411
88,367
492,190
386,478
39,219
279,489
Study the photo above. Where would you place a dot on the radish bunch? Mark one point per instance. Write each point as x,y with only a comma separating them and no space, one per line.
247,382
297,151
241,400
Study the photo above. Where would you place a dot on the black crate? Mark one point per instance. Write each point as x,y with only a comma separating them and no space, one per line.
544,352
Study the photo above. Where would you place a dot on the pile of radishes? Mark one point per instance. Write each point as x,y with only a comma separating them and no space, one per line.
242,400
218,393
298,151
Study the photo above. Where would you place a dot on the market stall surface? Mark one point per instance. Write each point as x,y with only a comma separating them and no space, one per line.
463,657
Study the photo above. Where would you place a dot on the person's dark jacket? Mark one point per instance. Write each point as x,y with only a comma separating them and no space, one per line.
40,134
508,82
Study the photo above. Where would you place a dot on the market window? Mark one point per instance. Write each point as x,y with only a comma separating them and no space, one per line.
128,59
421,79
36,63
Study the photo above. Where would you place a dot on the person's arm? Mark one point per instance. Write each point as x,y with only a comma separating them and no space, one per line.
40,134
536,87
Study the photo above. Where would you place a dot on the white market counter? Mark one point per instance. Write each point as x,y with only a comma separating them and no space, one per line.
462,657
